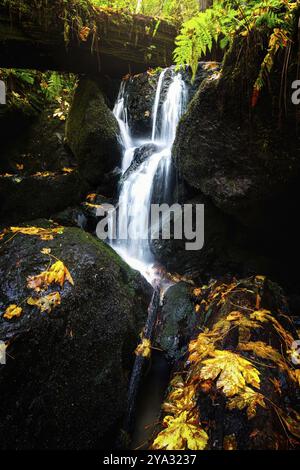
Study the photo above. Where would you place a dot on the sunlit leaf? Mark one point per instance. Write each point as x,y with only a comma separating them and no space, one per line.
44,234
229,442
249,399
56,274
46,303
144,349
232,372
13,311
181,433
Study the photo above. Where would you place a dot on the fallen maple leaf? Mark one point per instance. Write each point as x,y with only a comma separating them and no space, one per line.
263,350
43,233
197,292
200,348
232,372
13,311
67,170
265,316
46,251
46,303
91,197
229,442
56,274
182,398
291,421
247,398
181,433
84,33
144,349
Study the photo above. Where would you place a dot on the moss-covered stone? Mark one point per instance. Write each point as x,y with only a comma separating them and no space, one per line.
177,321
92,133
65,382
246,159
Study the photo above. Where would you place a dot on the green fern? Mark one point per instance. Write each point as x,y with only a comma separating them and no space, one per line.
221,23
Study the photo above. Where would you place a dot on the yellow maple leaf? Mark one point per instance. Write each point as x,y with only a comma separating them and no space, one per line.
181,398
46,303
291,421
200,348
144,349
232,372
13,311
181,433
67,170
247,398
263,350
297,376
84,33
91,197
44,234
229,442
56,274
197,291
46,251
265,316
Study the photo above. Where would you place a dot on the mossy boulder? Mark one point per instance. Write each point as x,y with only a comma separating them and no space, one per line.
92,133
65,382
177,321
243,155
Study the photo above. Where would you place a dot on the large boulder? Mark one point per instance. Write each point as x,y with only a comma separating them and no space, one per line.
65,382
246,159
92,133
40,195
40,145
237,388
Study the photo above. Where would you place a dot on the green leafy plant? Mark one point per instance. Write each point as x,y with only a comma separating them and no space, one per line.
226,20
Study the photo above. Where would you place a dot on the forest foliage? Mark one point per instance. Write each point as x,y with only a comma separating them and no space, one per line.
273,22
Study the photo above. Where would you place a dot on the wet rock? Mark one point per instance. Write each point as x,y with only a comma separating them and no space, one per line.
226,332
65,382
40,144
226,248
92,134
141,91
27,197
245,159
177,320
85,215
141,154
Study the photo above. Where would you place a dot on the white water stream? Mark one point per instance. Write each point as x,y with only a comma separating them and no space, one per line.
137,190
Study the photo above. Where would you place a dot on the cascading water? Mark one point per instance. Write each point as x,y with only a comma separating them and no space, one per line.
137,190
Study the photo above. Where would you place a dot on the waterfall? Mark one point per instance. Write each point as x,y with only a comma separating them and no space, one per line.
137,190
120,112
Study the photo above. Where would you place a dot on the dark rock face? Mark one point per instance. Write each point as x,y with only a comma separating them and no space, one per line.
27,197
39,145
92,133
140,99
65,382
142,90
224,252
177,321
237,155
